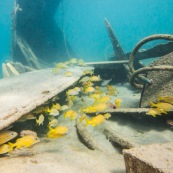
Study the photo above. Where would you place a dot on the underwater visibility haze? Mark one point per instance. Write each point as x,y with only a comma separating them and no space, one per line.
76,96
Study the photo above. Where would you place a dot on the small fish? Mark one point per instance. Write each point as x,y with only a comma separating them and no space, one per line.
111,90
6,136
25,141
53,111
170,122
60,66
73,61
82,117
56,106
103,99
56,70
53,123
68,74
70,114
165,107
106,82
118,102
95,120
89,90
40,120
85,79
64,107
5,148
154,111
73,92
28,132
90,72
107,115
95,108
26,117
95,96
57,132
167,99
87,84
81,62
97,90
41,109
95,78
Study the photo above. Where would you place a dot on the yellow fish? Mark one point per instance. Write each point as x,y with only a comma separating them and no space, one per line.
97,90
95,108
103,99
40,120
82,117
64,107
5,148
57,132
53,112
95,96
95,78
68,74
89,90
41,109
95,120
107,115
153,112
26,117
73,61
60,66
118,103
90,72
73,92
111,90
162,106
53,123
70,114
81,62
6,136
167,99
56,106
25,141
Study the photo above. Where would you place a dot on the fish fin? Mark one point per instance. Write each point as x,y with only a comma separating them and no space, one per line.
11,146
152,104
87,122
159,98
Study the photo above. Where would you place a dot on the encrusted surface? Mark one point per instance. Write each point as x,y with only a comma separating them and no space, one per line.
21,94
151,158
162,81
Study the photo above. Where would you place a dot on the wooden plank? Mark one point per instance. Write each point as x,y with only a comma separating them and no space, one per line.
21,94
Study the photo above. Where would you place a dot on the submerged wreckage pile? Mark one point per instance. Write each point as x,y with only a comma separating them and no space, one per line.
87,97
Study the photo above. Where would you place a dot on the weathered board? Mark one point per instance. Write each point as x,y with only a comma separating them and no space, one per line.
21,94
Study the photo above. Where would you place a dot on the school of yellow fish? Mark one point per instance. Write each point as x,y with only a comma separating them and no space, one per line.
87,95
164,104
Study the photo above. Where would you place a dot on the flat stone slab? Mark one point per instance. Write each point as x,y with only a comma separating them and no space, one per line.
21,94
156,158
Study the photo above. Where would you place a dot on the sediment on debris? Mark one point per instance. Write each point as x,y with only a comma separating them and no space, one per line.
87,138
117,139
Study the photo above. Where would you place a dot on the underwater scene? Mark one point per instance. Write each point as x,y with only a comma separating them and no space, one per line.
86,86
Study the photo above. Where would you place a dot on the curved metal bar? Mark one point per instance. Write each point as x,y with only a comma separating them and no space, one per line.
135,50
146,69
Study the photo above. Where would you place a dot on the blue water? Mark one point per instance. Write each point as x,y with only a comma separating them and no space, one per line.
83,24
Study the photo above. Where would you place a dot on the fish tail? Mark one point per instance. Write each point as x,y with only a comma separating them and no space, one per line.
153,104
87,121
11,146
